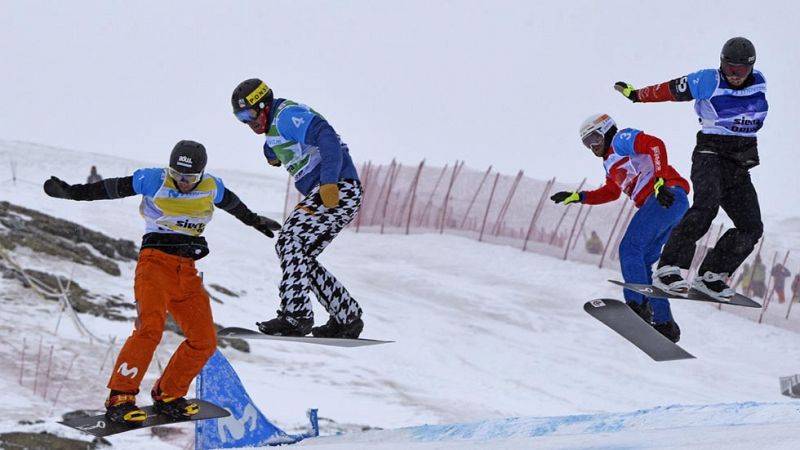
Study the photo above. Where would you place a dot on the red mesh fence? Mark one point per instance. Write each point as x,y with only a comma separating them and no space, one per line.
515,210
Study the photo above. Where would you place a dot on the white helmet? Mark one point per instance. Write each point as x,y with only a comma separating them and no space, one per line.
601,122
593,130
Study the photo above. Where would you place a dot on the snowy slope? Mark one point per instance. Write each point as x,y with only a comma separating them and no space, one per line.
483,332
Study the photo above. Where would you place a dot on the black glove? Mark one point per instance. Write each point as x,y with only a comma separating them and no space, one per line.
58,188
565,197
663,194
627,90
274,162
266,226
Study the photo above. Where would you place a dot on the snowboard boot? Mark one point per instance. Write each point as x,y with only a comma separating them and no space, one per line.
334,329
642,310
175,407
286,325
713,284
669,329
669,279
121,408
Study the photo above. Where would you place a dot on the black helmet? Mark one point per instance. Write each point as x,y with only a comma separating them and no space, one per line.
251,94
188,157
738,50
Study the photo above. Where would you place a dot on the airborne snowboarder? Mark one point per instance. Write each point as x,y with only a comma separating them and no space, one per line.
731,105
636,164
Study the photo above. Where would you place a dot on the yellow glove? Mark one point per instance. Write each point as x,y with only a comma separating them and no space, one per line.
565,198
627,90
330,195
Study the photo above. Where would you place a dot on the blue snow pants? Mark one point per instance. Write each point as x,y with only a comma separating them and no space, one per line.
641,247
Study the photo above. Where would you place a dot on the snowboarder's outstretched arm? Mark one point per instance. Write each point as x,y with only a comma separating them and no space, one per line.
675,90
107,189
609,192
232,204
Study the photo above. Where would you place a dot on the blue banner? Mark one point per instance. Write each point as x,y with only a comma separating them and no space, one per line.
246,426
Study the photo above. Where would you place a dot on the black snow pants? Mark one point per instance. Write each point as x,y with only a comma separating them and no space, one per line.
720,177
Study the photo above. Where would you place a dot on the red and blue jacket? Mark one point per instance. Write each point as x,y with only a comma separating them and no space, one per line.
633,162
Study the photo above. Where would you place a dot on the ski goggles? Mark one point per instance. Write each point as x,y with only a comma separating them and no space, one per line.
593,139
247,115
736,70
179,177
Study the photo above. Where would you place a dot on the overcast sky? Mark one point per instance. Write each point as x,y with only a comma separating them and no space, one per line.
490,82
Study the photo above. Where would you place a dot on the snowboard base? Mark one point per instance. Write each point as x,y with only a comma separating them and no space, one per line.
620,318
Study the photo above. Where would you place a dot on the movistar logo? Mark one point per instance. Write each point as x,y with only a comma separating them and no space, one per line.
237,428
126,372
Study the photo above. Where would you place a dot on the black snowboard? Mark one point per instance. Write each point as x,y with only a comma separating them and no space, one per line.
244,333
617,316
100,426
693,294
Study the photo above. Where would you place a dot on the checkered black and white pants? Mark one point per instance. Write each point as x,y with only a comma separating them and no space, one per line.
304,235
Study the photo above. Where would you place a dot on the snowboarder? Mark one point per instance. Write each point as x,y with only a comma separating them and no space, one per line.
636,164
731,105
177,204
301,140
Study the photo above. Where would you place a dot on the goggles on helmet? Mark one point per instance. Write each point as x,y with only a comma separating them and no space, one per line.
593,140
736,70
179,177
247,115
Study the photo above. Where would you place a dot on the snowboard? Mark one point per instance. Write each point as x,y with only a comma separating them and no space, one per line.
693,294
790,386
244,333
620,318
101,427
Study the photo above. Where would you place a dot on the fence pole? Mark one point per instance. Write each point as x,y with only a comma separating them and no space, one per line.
365,179
413,195
563,215
63,381
791,300
488,205
47,377
429,204
392,180
504,209
38,360
456,170
622,230
474,196
380,194
611,235
572,232
537,210
583,226
384,186
766,293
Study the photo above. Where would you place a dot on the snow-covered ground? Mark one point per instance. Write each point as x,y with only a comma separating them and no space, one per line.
483,334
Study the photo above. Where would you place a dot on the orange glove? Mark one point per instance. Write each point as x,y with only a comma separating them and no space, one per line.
330,195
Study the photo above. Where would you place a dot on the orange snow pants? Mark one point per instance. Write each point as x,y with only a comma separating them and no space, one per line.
165,283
